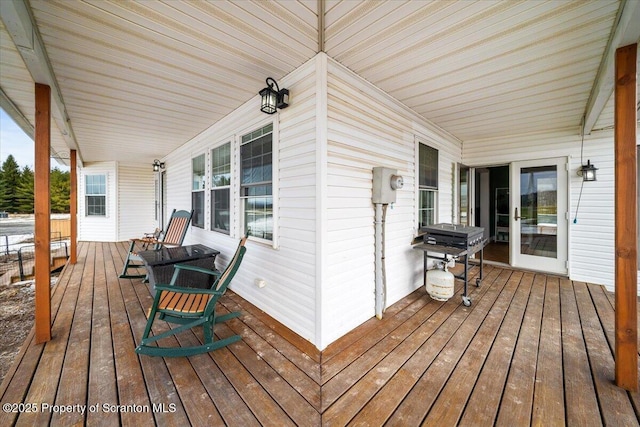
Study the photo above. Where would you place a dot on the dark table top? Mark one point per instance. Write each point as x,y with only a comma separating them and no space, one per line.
166,256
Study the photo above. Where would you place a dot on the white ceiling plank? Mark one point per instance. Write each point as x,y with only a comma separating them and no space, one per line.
136,75
20,24
626,31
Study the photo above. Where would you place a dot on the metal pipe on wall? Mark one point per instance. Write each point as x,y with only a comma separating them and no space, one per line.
380,273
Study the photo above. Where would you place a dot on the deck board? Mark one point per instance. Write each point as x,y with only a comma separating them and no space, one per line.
516,405
451,402
606,314
444,351
129,377
581,400
75,370
548,397
102,370
532,349
274,352
399,372
614,401
484,402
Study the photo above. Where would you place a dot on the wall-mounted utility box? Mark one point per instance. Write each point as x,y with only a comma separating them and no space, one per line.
385,183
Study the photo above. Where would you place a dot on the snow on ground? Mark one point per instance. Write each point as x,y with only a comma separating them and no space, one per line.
17,231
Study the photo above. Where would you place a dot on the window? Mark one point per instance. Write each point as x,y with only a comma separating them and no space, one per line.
256,190
427,185
96,195
197,190
220,188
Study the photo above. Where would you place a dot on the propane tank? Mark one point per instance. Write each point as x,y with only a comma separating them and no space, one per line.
440,283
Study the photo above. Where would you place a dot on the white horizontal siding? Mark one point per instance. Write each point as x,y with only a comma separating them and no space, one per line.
136,187
359,138
591,237
178,188
99,228
289,270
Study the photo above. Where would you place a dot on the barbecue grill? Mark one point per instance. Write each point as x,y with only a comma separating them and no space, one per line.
453,242
456,235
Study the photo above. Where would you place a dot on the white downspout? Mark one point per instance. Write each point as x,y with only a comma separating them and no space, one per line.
380,273
385,184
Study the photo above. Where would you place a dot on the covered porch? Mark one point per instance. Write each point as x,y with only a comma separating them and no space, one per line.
532,349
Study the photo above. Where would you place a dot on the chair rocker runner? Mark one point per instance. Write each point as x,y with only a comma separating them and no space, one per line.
191,307
172,236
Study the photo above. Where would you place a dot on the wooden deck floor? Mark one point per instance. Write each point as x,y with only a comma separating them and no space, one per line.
532,349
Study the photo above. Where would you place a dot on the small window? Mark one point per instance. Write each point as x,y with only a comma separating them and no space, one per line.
96,195
427,185
256,190
221,188
197,190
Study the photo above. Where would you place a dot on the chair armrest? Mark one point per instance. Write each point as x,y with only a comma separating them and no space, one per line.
183,290
180,267
197,269
153,235
167,244
144,240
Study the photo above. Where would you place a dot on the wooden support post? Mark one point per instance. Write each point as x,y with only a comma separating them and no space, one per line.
42,207
626,261
73,207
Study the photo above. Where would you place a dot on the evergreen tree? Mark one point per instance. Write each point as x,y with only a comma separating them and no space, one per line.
60,191
17,188
4,200
9,181
25,191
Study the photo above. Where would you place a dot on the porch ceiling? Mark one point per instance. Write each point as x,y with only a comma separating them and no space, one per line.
139,79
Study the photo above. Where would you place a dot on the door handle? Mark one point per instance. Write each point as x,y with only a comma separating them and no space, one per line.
516,216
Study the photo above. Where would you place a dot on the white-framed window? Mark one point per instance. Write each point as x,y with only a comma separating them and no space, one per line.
198,183
256,182
221,188
427,185
95,195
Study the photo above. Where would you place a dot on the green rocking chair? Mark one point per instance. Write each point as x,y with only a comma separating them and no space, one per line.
191,307
172,236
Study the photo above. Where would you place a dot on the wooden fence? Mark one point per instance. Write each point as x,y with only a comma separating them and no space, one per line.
60,228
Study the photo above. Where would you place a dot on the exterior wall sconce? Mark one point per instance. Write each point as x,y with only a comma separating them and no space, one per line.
588,172
272,99
158,165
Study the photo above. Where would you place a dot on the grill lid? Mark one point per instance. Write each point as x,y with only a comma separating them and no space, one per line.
452,234
457,230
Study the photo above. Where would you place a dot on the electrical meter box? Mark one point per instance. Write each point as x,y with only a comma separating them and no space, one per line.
385,183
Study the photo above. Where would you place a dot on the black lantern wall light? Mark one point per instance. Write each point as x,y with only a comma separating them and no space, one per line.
587,172
272,99
158,165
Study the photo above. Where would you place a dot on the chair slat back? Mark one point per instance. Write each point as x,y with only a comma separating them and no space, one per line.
177,227
232,268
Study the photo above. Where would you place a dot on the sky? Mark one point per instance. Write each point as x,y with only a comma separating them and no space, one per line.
14,141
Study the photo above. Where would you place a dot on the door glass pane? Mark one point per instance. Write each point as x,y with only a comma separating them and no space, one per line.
539,211
464,196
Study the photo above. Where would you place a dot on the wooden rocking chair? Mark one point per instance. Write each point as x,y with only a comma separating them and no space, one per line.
172,236
191,307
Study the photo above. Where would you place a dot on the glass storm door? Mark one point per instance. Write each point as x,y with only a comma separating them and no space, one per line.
538,224
464,204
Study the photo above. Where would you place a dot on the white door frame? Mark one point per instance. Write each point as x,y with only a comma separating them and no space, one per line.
559,264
